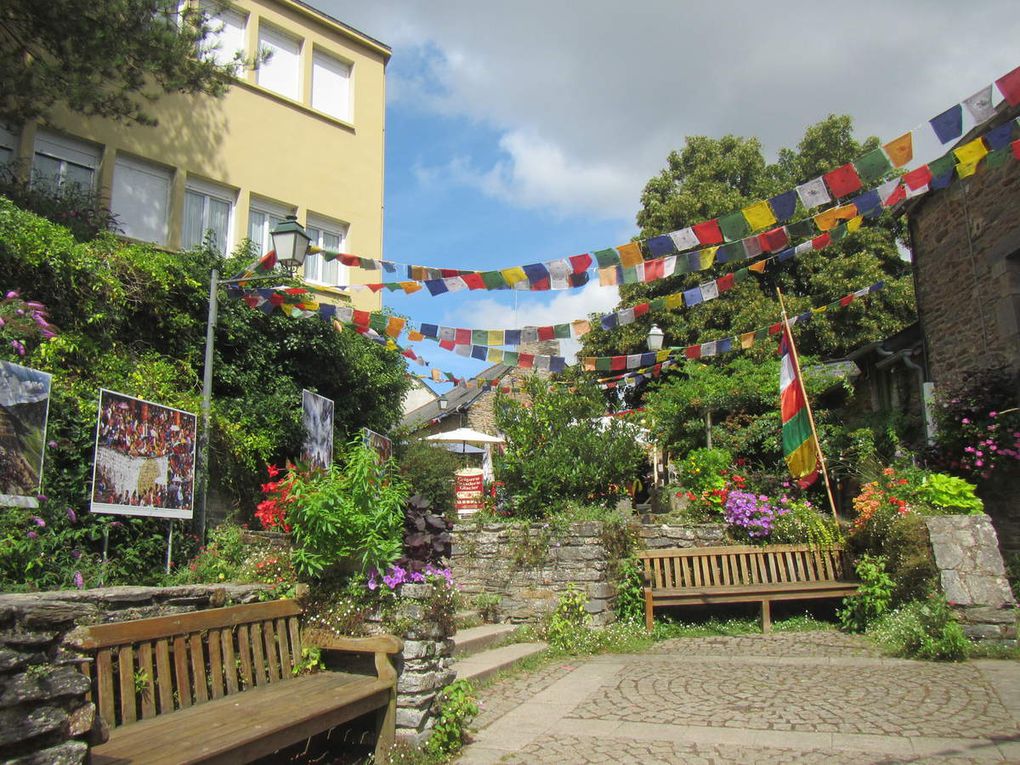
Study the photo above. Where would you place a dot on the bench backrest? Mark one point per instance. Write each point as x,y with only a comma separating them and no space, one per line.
742,565
150,667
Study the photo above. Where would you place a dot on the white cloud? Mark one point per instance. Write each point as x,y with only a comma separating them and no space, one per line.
537,309
588,99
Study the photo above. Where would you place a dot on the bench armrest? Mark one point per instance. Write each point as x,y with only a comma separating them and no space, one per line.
375,644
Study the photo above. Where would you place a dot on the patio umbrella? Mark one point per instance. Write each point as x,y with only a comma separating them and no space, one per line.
467,436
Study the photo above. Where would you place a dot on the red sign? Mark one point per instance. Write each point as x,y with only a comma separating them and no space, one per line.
468,491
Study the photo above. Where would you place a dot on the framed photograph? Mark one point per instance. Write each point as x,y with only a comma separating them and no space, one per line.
145,458
24,410
317,416
382,445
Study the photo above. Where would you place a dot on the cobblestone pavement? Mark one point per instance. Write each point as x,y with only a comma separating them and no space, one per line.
818,697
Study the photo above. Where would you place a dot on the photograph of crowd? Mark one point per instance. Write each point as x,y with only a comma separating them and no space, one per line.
317,416
24,407
145,458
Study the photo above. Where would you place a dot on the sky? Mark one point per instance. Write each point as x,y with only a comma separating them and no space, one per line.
525,131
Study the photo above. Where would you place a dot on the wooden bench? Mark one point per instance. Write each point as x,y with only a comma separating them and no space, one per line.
743,574
219,686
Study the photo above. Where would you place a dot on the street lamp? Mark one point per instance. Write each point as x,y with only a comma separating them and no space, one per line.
290,242
291,245
655,338
443,403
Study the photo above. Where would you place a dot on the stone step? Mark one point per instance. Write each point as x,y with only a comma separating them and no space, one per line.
474,639
482,665
467,617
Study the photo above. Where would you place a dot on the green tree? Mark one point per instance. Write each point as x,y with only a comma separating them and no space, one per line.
557,451
111,58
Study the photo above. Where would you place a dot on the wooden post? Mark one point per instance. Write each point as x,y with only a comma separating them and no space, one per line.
807,405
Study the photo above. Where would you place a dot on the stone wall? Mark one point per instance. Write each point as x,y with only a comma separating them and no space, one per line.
972,575
658,536
44,715
528,567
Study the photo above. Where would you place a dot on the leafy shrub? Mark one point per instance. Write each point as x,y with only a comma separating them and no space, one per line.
220,560
78,209
872,598
351,515
941,494
630,594
803,523
458,706
427,537
428,470
922,629
569,628
557,450
701,469
487,604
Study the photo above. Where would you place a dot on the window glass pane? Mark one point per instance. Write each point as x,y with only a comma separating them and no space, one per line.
78,175
139,200
194,207
330,86
219,222
281,73
5,155
46,170
256,227
330,241
227,36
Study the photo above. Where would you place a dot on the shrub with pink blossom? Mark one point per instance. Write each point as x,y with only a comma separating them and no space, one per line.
750,516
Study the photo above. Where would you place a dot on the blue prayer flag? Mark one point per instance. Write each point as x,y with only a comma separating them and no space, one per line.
784,205
948,126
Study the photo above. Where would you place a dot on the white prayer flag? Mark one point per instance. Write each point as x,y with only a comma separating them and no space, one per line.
980,105
684,239
813,193
709,290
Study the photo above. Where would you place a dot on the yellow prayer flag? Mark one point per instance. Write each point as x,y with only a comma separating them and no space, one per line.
966,169
395,326
662,355
514,275
437,375
608,276
589,363
971,153
674,301
900,150
495,355
707,257
630,254
854,223
410,287
414,336
418,273
759,215
581,328
826,219
313,250
496,337
747,340
820,309
758,267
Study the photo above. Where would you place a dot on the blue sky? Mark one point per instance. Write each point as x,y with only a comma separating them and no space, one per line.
525,131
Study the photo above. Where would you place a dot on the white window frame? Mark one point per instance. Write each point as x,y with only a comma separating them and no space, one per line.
270,209
322,101
65,150
267,30
220,20
317,226
209,191
146,168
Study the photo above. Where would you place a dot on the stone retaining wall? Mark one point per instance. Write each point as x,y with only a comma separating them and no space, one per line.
527,567
659,536
973,577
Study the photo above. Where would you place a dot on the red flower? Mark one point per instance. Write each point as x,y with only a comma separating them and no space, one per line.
272,470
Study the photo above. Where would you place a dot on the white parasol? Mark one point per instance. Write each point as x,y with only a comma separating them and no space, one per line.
467,436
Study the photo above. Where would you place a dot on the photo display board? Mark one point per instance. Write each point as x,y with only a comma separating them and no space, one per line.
317,416
24,410
145,458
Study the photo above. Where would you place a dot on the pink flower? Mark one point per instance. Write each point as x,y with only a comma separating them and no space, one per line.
978,463
965,421
79,580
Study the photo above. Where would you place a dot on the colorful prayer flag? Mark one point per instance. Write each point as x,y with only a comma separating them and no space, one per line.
900,150
799,447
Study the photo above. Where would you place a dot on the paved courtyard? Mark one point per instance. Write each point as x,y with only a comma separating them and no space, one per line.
815,697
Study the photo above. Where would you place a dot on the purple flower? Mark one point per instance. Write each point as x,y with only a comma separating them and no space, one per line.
18,347
31,535
41,497
116,525
418,577
965,421
2,322
75,554
79,580
372,583
52,444
12,294
71,515
38,521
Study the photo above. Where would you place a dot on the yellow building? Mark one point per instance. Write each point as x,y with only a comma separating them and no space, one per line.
303,134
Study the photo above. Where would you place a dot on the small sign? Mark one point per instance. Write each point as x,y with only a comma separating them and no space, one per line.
317,418
468,485
24,409
382,445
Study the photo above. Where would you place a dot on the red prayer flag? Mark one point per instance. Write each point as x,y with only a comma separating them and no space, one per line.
843,180
1009,86
896,197
361,318
918,178
1015,146
654,269
526,360
375,287
448,273
776,328
820,241
641,308
580,263
708,232
546,333
350,260
474,281
845,301
693,351
618,363
773,240
446,345
725,282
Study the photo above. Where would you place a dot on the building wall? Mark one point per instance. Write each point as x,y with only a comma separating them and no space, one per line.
481,416
966,243
261,144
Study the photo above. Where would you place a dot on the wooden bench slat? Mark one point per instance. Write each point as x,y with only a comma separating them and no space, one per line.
272,651
215,664
296,647
164,677
230,662
182,680
148,695
286,667
197,655
126,674
258,655
104,674
244,651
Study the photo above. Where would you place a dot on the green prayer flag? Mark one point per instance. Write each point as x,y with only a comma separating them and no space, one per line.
873,165
493,280
741,275
761,334
510,358
838,233
479,337
603,364
658,304
942,165
995,158
607,257
630,275
562,331
378,322
802,229
734,226
731,251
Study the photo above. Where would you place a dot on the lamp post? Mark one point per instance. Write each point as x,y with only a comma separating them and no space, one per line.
655,336
443,403
291,245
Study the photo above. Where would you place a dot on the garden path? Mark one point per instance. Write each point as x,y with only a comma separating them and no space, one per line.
809,697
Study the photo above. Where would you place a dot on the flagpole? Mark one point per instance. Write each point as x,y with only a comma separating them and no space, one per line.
807,405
